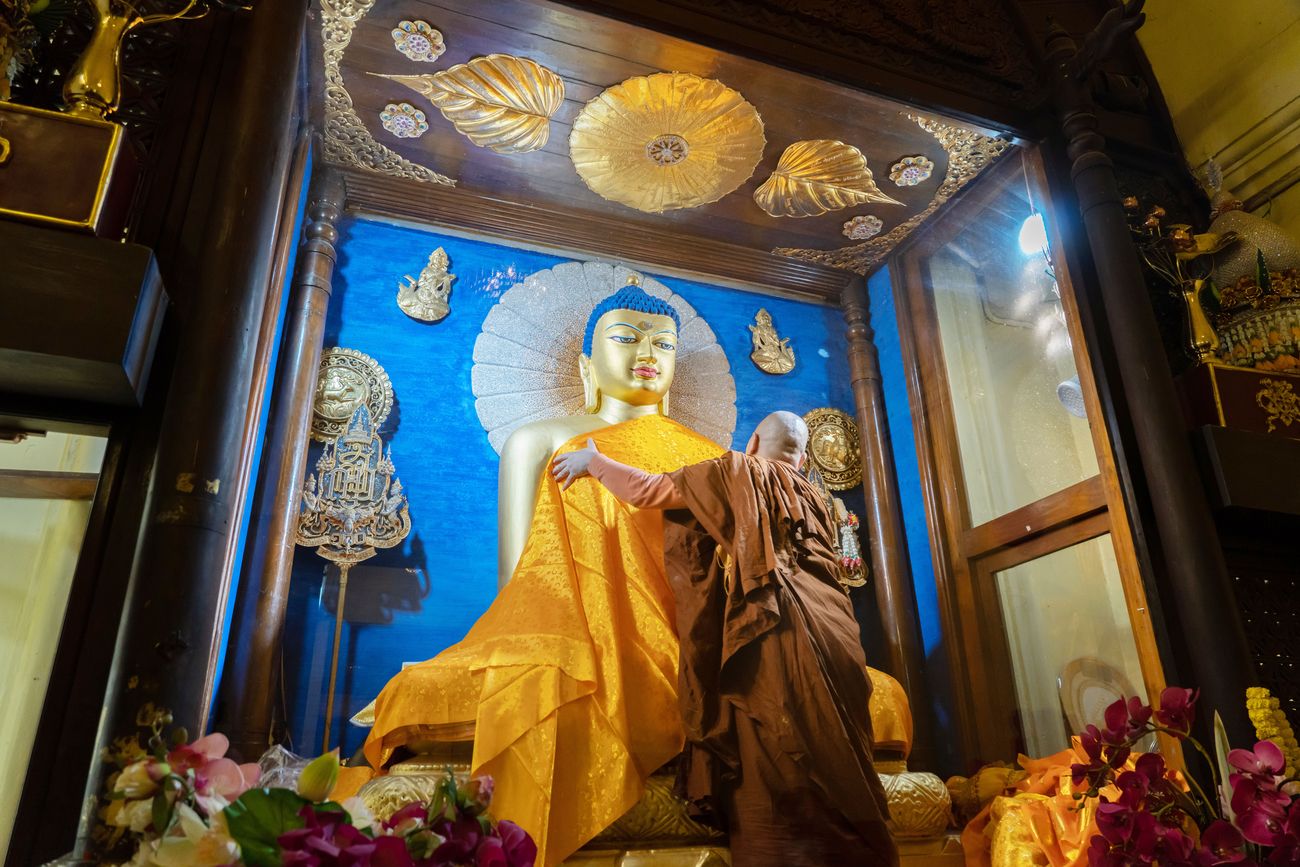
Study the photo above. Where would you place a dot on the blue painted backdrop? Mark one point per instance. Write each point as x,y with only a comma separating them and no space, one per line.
410,602
884,320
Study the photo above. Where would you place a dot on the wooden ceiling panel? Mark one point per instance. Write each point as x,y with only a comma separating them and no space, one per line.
591,53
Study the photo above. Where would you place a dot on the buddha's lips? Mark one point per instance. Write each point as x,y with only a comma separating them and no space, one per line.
645,372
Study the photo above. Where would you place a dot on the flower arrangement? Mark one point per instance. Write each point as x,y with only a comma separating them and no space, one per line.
190,806
1149,814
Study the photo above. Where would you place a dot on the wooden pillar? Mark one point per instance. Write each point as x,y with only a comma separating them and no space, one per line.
170,637
891,567
1207,613
250,683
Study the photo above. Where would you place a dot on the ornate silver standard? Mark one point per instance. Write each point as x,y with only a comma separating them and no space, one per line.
348,379
358,508
425,299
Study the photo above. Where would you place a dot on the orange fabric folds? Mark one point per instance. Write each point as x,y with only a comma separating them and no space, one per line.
570,678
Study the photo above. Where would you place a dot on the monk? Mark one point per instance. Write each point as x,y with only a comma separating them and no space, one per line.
772,681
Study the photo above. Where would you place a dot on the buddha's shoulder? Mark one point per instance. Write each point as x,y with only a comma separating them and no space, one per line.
548,434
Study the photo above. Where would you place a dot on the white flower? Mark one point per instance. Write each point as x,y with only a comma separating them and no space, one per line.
362,818
193,843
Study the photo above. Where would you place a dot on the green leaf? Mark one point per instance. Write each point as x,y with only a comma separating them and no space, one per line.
1261,271
257,820
162,813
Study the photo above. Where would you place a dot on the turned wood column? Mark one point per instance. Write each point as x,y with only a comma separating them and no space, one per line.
891,567
1208,624
250,684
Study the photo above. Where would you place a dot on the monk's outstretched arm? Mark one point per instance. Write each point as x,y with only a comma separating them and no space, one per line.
635,487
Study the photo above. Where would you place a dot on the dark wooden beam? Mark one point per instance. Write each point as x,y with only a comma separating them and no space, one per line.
81,315
44,485
174,613
1202,598
570,231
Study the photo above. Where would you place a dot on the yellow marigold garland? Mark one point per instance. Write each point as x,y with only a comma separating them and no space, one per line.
1271,724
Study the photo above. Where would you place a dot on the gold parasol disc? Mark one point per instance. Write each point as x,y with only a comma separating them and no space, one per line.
666,141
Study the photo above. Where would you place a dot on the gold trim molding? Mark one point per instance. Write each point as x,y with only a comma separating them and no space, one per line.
347,141
969,153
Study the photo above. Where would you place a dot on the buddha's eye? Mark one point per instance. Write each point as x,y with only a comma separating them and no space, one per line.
622,338
665,345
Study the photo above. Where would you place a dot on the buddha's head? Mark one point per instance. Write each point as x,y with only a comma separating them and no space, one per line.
629,352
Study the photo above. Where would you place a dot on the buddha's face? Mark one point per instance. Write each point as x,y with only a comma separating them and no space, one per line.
633,356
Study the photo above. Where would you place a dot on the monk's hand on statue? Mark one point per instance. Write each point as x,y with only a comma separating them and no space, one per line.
571,466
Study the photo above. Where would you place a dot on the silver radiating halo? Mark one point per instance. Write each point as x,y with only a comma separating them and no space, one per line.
526,357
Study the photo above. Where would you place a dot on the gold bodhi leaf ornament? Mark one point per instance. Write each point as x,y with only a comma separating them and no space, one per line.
499,102
817,176
666,141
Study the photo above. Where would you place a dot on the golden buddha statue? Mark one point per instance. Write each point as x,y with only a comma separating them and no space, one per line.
567,685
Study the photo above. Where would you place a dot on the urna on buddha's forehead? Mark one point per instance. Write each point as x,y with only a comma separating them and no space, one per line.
629,298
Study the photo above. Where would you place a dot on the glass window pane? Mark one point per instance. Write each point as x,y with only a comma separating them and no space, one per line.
1071,641
41,540
1008,357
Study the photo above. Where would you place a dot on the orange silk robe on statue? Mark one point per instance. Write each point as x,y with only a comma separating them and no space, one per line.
569,680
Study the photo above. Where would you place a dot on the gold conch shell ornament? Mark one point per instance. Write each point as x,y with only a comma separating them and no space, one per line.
817,176
426,299
499,102
666,141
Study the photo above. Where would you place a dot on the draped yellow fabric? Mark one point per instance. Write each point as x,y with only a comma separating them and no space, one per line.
569,680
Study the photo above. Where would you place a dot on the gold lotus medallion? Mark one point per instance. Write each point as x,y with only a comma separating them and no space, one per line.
833,447
666,141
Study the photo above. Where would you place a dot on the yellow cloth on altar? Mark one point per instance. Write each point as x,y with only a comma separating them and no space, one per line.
569,680
1041,823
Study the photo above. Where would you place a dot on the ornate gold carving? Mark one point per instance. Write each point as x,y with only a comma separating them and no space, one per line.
658,819
348,379
403,120
969,153
426,299
833,447
346,140
1278,399
817,176
666,141
418,41
499,102
919,804
406,783
772,353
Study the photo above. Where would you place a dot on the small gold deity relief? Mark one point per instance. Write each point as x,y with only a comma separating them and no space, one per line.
772,353
426,299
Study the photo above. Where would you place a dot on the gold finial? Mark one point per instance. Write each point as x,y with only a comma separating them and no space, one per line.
634,279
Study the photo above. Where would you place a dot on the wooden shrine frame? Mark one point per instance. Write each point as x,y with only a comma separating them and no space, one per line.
967,555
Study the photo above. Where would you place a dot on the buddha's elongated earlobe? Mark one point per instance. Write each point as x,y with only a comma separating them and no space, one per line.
590,390
663,406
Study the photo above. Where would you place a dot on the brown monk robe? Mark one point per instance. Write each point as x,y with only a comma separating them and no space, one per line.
772,682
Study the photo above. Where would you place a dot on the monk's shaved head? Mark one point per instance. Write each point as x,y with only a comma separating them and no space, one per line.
782,436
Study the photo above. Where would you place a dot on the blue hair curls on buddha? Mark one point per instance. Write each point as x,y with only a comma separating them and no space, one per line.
630,297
